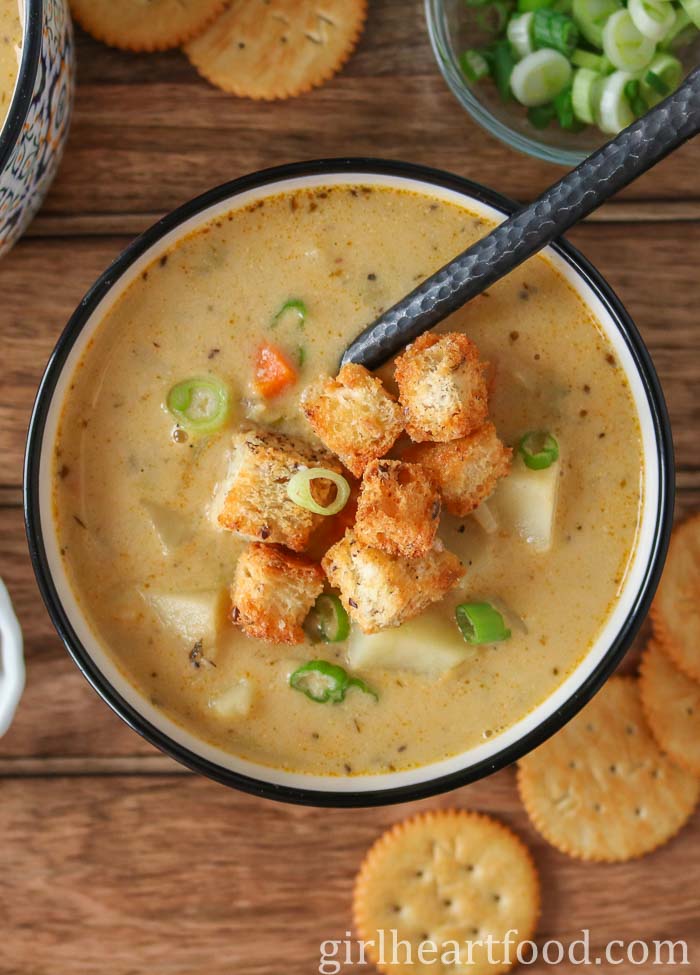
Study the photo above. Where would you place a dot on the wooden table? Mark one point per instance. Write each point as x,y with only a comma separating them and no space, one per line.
113,859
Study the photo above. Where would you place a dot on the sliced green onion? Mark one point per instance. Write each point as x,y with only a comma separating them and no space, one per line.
563,6
200,405
692,8
661,78
539,77
538,449
682,30
294,306
328,620
325,682
582,94
591,17
519,33
613,111
494,16
655,82
299,490
529,5
553,30
594,62
633,96
480,623
625,45
653,18
474,65
564,107
541,115
503,68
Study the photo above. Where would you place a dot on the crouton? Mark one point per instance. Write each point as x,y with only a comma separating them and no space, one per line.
380,590
252,499
353,415
466,470
398,509
442,387
272,592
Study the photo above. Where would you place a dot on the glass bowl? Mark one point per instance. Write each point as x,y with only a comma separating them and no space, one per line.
453,28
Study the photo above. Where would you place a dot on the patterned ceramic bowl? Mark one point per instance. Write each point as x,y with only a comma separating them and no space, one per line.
35,130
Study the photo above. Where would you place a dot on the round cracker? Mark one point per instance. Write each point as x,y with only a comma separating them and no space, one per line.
145,25
675,612
447,876
671,703
269,49
601,789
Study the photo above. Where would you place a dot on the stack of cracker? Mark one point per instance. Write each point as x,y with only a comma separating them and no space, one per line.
617,782
624,776
261,49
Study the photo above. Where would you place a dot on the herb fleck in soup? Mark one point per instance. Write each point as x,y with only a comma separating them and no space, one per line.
304,272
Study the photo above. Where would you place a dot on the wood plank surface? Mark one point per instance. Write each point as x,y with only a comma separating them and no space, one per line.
115,860
139,115
176,875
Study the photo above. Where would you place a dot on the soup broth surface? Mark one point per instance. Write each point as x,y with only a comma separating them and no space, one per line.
10,52
203,308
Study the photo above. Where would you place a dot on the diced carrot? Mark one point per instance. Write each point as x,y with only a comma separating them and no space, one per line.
273,371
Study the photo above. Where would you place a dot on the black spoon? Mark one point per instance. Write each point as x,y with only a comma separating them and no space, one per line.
609,169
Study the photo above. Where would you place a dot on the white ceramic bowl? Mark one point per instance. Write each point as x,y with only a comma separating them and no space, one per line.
11,661
616,633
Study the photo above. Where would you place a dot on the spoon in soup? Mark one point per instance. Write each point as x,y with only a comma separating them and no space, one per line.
612,167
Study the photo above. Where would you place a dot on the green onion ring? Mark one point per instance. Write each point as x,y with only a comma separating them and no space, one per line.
538,449
297,306
299,490
480,623
323,681
200,404
328,620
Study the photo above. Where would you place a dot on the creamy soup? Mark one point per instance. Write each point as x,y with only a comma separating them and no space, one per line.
10,50
133,494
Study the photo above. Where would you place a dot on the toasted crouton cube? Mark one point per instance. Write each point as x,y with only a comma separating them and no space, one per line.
466,470
252,499
442,387
272,592
354,416
398,509
380,590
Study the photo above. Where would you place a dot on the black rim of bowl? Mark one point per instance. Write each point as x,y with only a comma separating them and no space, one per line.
379,796
26,76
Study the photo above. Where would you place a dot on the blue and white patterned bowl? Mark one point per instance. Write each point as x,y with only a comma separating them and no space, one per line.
34,133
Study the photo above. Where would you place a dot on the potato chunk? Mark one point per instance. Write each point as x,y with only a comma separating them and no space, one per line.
272,592
431,644
467,470
442,387
527,502
399,508
252,499
198,617
172,527
236,701
353,415
380,590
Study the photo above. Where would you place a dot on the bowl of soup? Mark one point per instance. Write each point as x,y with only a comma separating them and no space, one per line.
195,458
36,95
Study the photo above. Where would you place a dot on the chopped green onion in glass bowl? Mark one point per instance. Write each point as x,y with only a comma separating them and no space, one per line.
558,78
